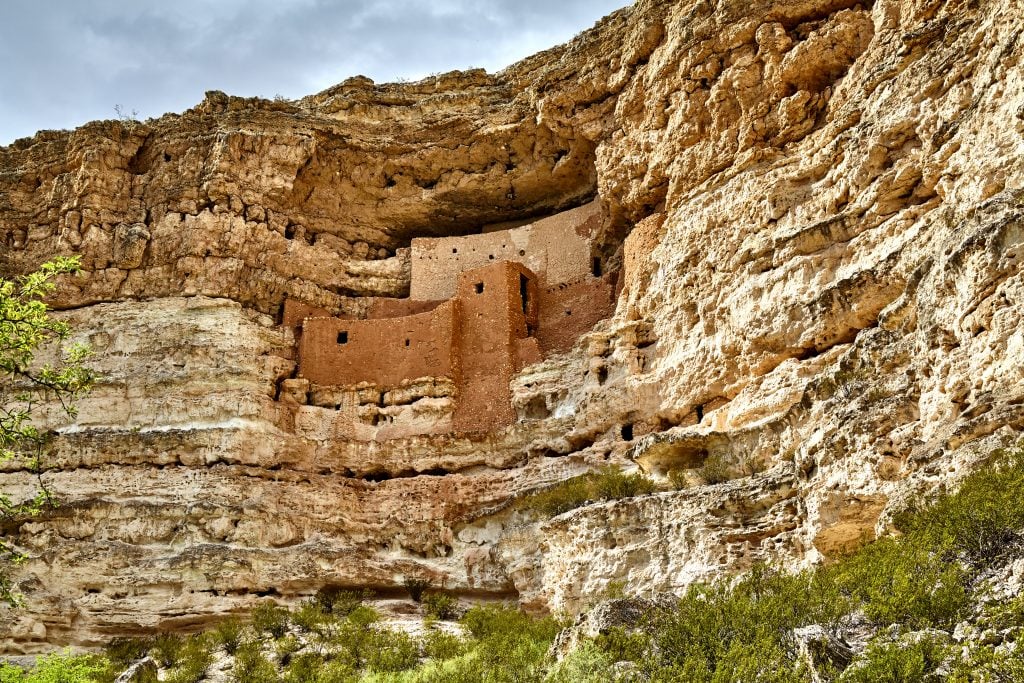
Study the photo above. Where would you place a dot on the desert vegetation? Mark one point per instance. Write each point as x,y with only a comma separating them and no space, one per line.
609,483
912,607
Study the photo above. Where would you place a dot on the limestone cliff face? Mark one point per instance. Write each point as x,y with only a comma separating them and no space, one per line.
817,208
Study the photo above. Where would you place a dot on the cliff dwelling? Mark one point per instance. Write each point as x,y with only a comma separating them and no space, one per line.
480,308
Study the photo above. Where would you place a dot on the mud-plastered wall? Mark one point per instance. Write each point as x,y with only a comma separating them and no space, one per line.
385,352
557,249
497,307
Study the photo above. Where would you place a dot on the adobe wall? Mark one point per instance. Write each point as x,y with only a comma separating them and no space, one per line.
295,312
396,308
555,249
384,351
492,322
568,311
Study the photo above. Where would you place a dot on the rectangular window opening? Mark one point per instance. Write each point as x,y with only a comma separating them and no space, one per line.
479,287
524,292
597,266
343,337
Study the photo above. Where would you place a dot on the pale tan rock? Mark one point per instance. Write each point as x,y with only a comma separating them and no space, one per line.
817,210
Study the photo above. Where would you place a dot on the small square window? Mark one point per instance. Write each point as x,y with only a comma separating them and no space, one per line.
454,250
479,287
343,337
408,341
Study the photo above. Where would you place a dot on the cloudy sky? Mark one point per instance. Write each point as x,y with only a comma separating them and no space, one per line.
66,62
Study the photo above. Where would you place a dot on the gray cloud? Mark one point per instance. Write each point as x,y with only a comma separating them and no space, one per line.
68,61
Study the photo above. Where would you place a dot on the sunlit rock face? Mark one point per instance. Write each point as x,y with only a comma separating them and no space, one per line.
815,210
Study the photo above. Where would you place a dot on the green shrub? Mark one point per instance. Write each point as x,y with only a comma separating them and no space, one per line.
679,479
166,649
441,645
567,495
507,644
612,484
268,617
899,662
312,668
713,628
9,673
309,615
607,484
285,648
622,645
251,666
194,658
440,605
390,651
61,667
986,665
354,638
228,634
899,581
121,652
982,521
363,616
715,470
585,664
339,601
415,586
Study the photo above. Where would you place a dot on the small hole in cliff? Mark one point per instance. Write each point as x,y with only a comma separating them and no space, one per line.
522,252
390,182
408,341
343,337
602,375
700,413
434,472
377,476
289,232
479,287
568,311
491,256
454,250
596,269
627,432
167,157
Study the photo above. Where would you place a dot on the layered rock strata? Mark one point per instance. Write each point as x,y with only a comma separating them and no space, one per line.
817,211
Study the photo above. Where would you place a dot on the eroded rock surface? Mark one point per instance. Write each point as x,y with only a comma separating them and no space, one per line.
817,212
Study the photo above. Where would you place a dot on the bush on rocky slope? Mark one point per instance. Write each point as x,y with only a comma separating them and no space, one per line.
929,604
905,597
608,484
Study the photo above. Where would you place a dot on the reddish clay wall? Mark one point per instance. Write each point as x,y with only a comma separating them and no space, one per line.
397,308
567,311
297,311
492,321
381,351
